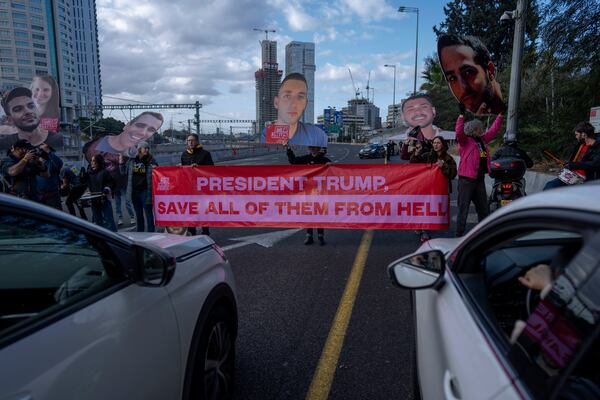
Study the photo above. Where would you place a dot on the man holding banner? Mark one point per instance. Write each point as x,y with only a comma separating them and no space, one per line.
314,157
194,155
290,102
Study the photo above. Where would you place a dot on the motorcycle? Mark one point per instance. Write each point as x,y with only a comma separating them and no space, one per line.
509,183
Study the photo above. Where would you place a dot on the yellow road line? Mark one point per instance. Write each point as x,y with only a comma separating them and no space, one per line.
323,377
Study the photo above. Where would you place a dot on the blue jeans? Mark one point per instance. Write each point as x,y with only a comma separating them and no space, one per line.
140,206
103,216
119,195
554,183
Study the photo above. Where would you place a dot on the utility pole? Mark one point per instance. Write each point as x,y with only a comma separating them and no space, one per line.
515,72
197,104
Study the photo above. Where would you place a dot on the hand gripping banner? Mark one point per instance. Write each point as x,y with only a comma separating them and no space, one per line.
409,196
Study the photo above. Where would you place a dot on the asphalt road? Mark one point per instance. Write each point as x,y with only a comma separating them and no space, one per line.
289,295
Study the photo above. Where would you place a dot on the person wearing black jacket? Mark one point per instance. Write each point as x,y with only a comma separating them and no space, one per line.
315,156
100,181
584,157
195,155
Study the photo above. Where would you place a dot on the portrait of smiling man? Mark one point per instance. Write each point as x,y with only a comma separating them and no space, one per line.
470,73
140,129
22,113
290,102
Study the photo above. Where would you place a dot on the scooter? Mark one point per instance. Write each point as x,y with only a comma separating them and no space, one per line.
509,183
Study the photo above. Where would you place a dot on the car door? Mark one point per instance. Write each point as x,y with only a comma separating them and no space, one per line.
477,309
71,325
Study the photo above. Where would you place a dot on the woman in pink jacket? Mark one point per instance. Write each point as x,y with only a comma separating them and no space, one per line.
474,164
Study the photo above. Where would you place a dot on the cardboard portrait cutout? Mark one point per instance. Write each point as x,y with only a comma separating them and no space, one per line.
46,96
21,120
470,73
140,129
291,101
418,114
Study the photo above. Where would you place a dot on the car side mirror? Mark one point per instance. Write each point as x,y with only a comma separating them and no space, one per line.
418,271
156,267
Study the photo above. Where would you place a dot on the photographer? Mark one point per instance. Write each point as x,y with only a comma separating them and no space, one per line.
49,188
101,183
22,168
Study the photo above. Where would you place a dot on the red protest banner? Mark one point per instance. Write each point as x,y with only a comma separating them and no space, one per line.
277,134
409,196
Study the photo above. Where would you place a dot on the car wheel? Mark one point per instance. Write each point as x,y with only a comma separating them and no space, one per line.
214,358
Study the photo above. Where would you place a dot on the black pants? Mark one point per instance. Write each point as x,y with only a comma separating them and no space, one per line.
320,232
71,201
192,230
470,190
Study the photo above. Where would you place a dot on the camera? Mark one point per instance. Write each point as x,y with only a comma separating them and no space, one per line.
40,153
414,132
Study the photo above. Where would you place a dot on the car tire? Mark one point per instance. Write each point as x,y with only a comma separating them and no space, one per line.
214,357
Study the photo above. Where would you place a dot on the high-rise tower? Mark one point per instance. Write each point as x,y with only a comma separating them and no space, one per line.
300,57
267,79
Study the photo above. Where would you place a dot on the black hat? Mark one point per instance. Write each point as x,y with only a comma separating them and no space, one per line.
16,92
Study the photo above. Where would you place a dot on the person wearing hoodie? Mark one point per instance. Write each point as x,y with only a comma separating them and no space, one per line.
138,171
195,155
474,164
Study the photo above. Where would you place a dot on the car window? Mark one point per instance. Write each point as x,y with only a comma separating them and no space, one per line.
45,268
546,331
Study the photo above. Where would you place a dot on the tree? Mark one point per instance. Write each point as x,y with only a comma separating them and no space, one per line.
481,19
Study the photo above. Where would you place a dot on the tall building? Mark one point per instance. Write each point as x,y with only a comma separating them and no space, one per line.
300,57
52,37
267,79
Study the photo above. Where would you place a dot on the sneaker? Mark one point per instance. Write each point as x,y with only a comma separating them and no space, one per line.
308,240
321,240
132,221
119,222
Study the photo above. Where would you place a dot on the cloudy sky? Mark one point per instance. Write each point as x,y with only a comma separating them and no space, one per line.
161,51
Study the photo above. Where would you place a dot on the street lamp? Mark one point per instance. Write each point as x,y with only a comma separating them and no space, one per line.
416,11
394,96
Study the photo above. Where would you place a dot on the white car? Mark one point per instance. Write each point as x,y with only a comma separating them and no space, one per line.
481,333
90,314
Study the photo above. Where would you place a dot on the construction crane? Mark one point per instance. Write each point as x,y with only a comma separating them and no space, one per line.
266,31
369,80
356,91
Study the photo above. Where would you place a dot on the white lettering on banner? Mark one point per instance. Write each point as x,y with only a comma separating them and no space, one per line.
304,208
341,183
292,183
251,183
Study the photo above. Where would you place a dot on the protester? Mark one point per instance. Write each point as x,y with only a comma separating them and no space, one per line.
73,186
100,181
474,164
138,171
22,168
290,102
195,155
120,196
586,142
470,73
21,112
315,156
439,156
390,149
418,114
49,187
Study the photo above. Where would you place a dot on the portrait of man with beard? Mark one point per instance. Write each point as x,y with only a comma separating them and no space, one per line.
470,73
22,113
